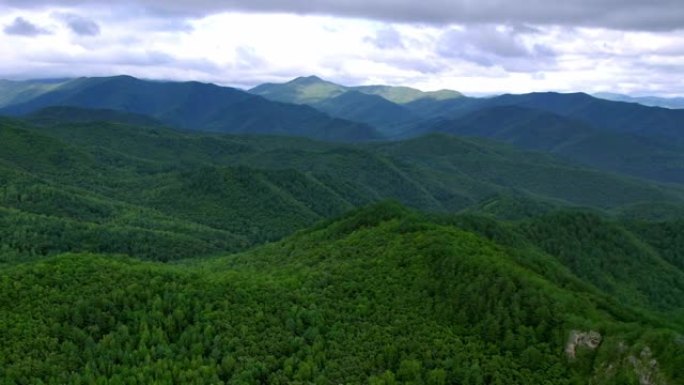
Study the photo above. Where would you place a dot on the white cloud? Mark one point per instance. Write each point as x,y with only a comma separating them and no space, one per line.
245,49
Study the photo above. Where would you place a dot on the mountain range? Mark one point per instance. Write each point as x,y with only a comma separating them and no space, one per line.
633,139
614,136
651,101
195,106
321,234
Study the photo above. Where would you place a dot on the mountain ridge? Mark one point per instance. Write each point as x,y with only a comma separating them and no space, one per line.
197,106
650,101
626,138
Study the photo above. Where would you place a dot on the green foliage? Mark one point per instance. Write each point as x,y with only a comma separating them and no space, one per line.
382,295
609,256
203,194
570,138
667,238
394,300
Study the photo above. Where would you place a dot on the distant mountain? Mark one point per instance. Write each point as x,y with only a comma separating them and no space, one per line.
629,138
66,115
369,109
651,101
618,117
197,106
612,116
381,106
572,139
524,127
619,137
445,108
12,92
403,95
302,90
312,89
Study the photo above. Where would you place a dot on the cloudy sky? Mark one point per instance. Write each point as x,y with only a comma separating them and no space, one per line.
474,46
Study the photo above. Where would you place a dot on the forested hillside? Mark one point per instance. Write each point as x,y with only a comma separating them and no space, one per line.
381,296
74,177
628,138
134,253
613,136
650,157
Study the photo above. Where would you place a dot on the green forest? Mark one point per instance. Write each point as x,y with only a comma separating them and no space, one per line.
132,253
382,295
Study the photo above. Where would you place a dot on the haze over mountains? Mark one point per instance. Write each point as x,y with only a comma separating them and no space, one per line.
309,232
651,101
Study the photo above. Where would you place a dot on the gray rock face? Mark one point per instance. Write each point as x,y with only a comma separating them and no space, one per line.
646,368
590,340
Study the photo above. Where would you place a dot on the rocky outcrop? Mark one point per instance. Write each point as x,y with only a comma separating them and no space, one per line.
646,368
642,366
590,340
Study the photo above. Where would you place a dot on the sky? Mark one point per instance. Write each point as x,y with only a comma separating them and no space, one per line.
477,47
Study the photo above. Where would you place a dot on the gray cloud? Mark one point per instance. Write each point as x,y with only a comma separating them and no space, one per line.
672,49
79,25
651,15
119,60
386,38
489,46
23,27
421,65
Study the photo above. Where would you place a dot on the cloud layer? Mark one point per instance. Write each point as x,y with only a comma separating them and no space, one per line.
647,15
505,50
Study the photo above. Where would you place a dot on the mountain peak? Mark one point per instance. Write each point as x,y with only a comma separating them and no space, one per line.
307,80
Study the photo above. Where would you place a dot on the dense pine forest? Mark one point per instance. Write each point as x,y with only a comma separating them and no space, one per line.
132,252
383,295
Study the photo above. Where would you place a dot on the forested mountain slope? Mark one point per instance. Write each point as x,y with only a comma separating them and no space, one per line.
314,90
67,177
519,268
628,153
629,138
423,167
614,116
611,116
380,296
651,101
14,92
380,106
196,106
